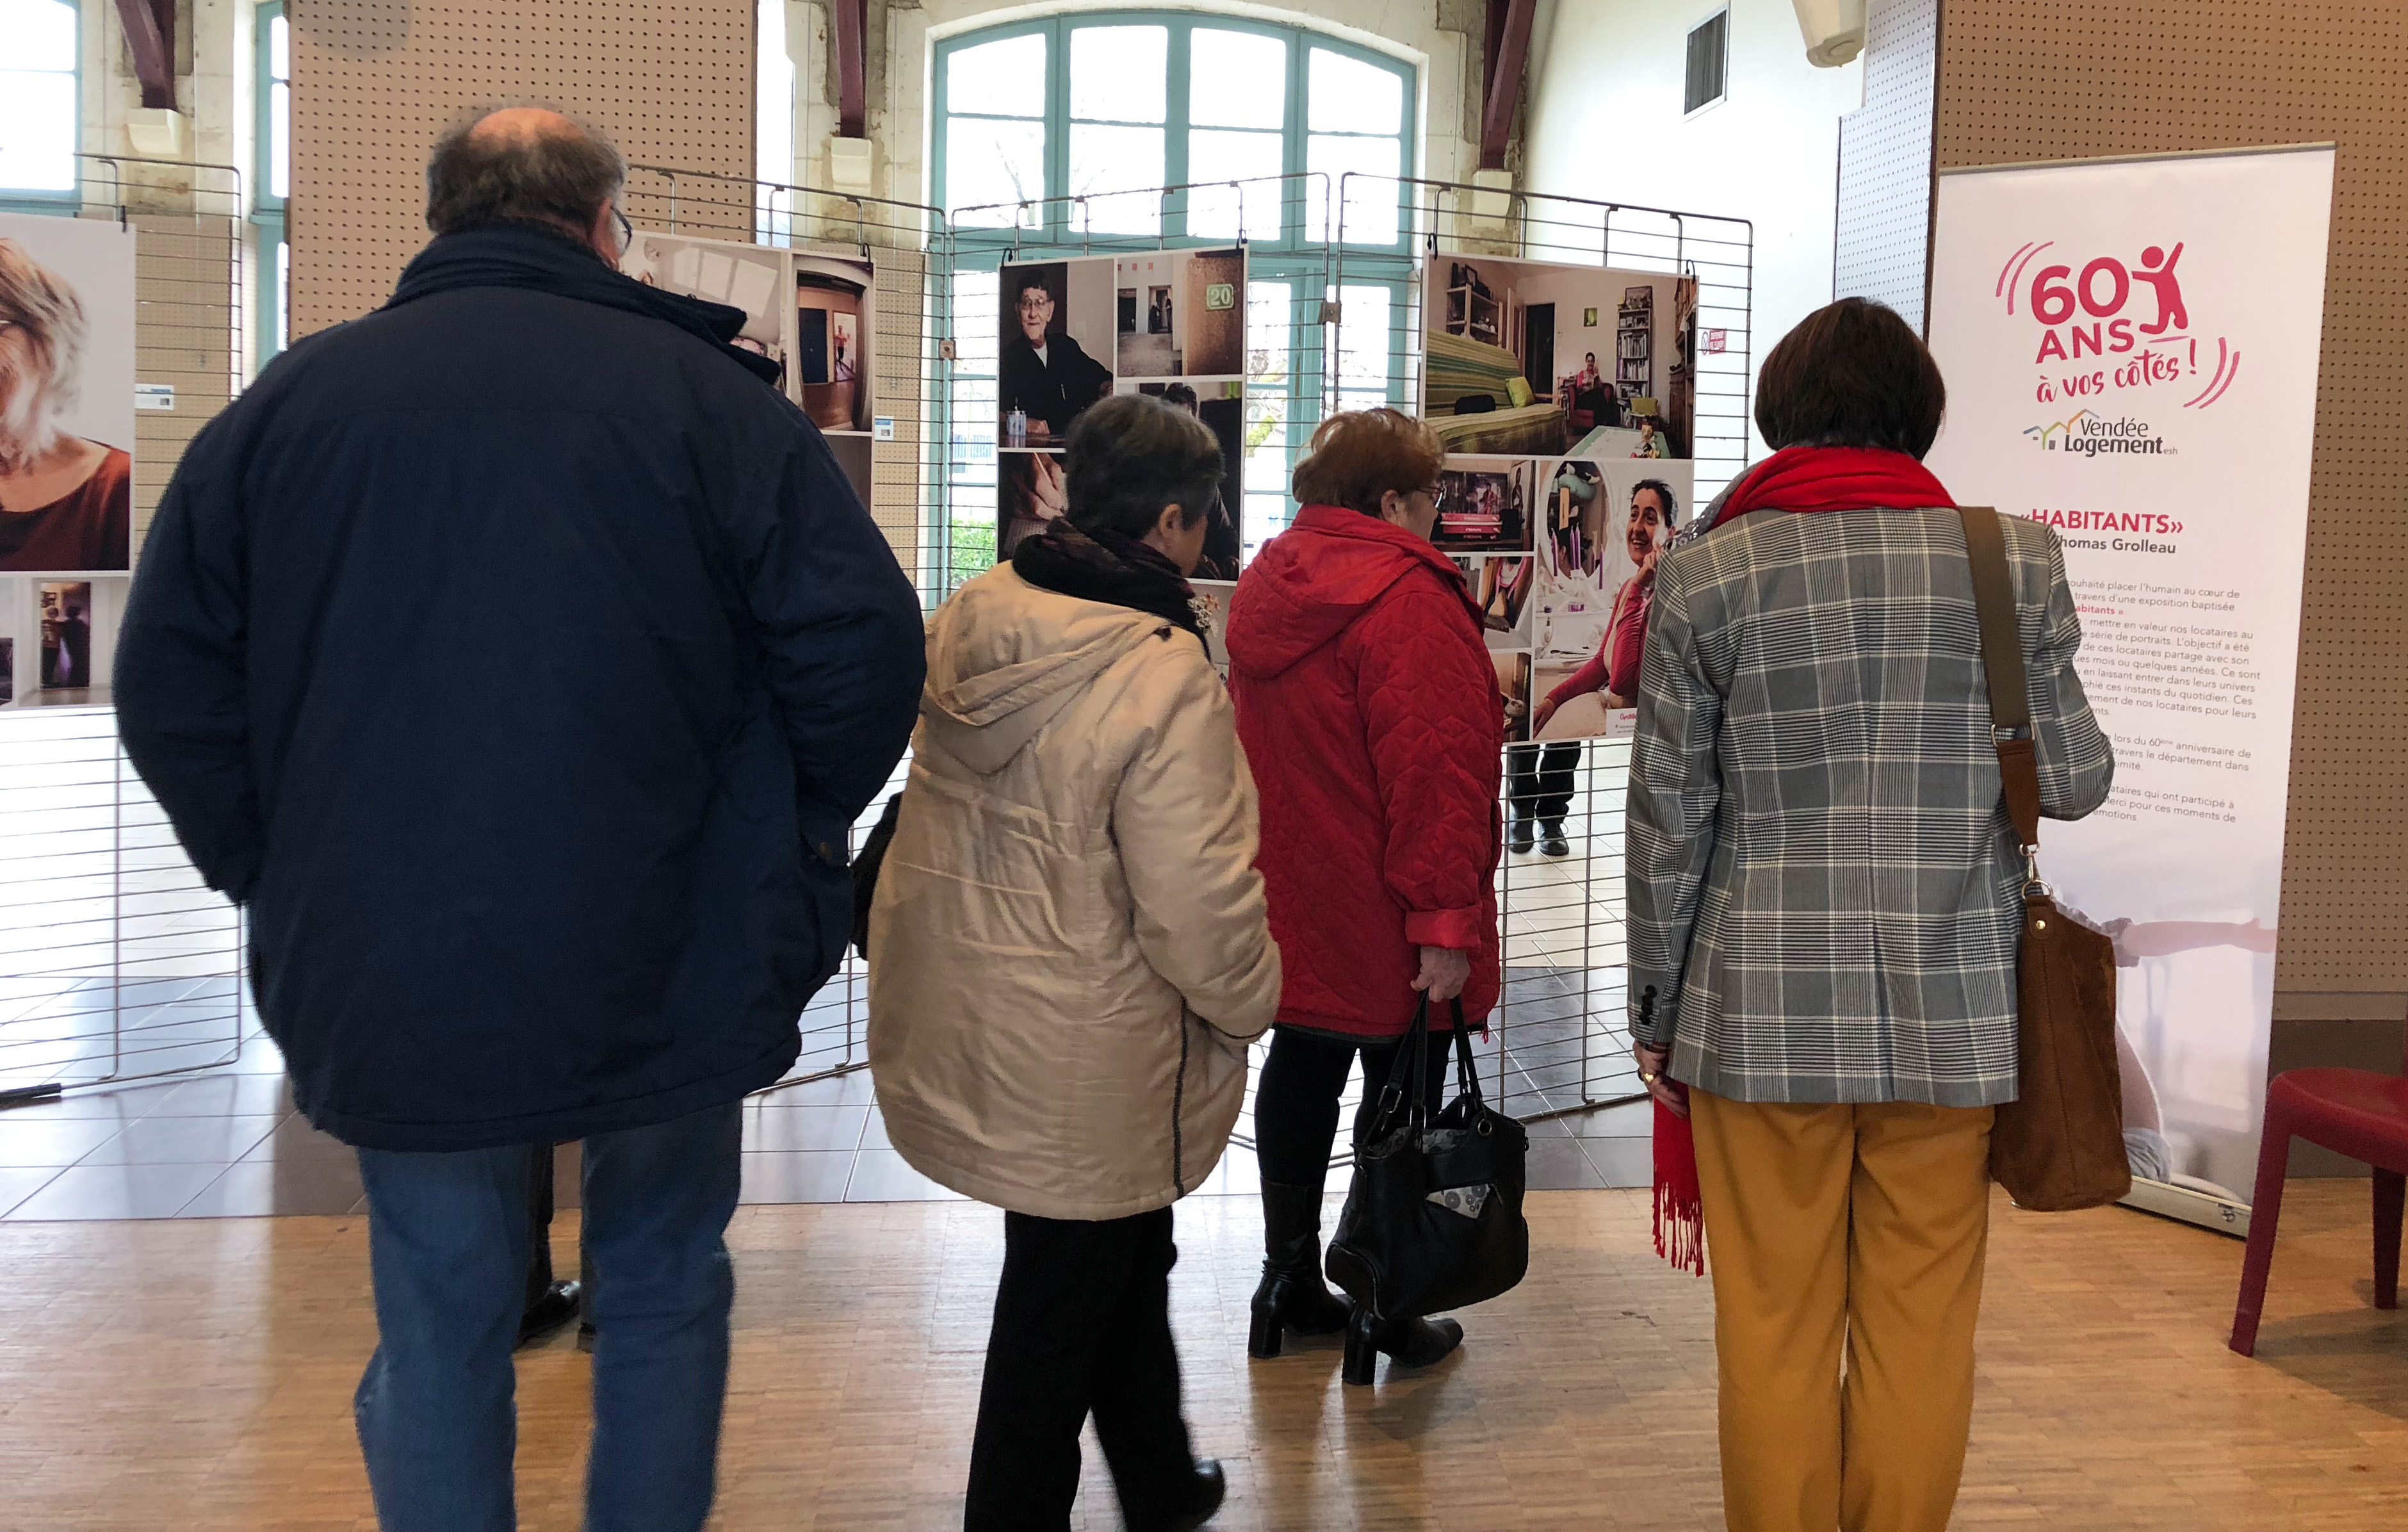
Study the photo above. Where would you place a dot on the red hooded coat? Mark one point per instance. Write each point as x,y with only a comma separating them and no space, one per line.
1367,706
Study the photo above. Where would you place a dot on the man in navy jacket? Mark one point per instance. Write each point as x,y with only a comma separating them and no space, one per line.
518,658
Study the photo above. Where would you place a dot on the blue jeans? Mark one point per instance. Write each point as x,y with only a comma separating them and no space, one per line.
447,1242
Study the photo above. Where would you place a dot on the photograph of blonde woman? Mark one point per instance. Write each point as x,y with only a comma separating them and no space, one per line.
67,493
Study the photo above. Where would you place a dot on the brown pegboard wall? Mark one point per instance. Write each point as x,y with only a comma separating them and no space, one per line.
1880,241
375,82
2043,80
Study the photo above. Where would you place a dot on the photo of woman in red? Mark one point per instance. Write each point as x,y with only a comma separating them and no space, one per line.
1542,772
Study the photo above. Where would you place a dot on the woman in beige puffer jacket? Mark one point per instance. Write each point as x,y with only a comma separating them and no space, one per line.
1070,953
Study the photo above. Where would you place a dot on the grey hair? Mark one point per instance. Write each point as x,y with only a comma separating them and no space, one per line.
43,305
559,178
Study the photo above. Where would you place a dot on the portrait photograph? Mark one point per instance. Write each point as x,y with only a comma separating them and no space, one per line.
1604,524
67,395
1054,349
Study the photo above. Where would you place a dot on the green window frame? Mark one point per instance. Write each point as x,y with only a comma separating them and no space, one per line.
17,80
271,171
1057,111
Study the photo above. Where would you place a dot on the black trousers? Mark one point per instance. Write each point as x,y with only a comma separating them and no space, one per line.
1541,778
1295,1099
1081,1327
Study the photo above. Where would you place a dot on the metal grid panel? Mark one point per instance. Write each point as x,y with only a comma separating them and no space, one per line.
375,82
1331,328
116,962
1561,1039
2043,80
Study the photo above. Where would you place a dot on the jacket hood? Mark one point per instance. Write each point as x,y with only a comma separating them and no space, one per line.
527,256
1310,583
1005,657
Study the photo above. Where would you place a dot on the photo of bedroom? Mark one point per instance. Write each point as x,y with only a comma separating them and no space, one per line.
1531,358
1180,314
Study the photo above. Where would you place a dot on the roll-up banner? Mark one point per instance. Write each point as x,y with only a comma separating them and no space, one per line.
2130,352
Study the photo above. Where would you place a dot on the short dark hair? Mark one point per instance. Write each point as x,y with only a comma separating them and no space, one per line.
1663,498
1851,374
559,179
1129,456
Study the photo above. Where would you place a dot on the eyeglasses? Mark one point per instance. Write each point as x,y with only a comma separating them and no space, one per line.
626,230
1030,306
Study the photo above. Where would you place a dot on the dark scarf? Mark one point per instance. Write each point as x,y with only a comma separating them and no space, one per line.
528,255
1110,567
1812,479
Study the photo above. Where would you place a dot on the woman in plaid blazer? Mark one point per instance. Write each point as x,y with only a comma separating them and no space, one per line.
1824,907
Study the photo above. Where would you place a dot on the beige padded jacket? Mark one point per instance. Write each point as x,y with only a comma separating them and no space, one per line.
1070,949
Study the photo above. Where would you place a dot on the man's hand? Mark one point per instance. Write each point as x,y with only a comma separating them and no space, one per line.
1444,972
1546,711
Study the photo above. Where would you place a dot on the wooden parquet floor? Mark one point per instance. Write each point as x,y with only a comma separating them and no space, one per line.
197,1374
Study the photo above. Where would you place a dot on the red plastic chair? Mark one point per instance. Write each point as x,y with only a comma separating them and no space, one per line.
2349,1111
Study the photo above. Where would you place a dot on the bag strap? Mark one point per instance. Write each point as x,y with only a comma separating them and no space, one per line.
1466,1070
1405,1086
2002,670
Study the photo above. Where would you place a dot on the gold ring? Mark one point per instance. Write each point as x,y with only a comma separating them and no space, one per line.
1646,1078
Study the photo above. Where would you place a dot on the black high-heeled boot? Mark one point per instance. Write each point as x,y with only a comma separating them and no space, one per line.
1291,1296
1411,1342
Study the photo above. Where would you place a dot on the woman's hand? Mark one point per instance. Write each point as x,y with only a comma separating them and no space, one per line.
1616,699
1444,972
1546,711
1663,1087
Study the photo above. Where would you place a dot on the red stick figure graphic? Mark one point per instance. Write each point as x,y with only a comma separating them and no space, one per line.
2170,312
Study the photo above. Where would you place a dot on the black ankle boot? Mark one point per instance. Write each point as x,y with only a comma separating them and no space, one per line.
1518,835
1555,844
1291,1296
1411,1342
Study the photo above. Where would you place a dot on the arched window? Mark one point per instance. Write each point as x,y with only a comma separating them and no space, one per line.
1062,132
1084,117
272,174
37,99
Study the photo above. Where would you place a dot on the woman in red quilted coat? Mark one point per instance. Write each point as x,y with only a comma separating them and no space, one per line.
1367,706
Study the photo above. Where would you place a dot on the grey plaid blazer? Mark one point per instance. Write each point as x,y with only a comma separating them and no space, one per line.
1825,894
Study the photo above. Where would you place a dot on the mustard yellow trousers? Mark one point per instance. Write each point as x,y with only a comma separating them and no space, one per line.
1846,1245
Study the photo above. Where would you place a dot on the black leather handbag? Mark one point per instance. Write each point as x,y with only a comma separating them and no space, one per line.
1433,1220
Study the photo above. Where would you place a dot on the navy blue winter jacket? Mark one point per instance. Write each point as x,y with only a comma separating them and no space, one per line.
518,658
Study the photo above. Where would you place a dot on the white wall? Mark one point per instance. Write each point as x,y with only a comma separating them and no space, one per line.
1605,123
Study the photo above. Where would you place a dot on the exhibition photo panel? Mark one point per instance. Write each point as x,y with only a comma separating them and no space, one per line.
67,395
1603,525
1055,348
1526,357
746,276
835,299
1220,403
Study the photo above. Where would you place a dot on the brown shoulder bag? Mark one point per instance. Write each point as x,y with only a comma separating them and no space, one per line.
2059,1144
